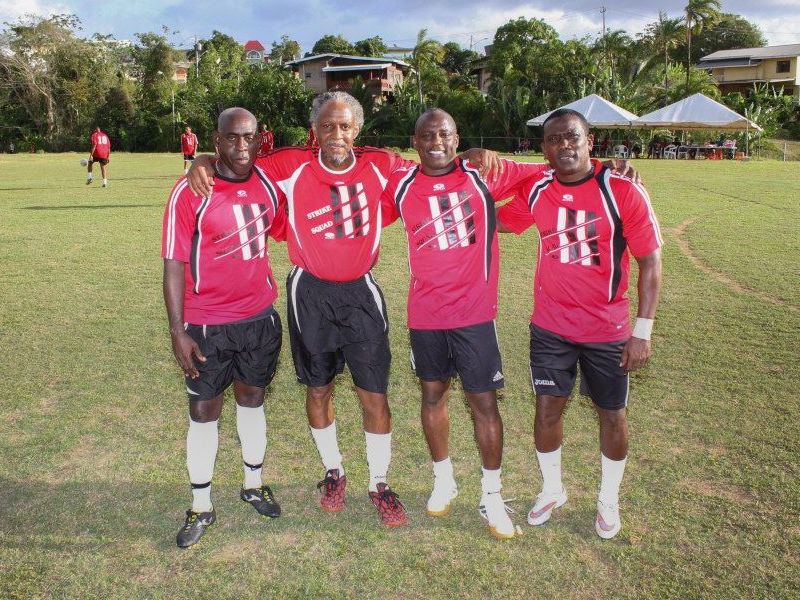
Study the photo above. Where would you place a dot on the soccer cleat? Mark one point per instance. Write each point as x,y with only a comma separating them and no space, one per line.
262,500
443,493
105,183
494,511
194,527
390,509
332,488
608,523
543,508
88,182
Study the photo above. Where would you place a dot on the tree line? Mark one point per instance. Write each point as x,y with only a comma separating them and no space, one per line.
56,85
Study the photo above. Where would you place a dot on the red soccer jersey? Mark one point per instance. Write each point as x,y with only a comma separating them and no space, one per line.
223,241
585,229
333,217
188,143
452,241
267,142
101,143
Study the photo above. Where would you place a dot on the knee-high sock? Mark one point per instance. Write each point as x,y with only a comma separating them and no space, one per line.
612,472
379,455
328,447
550,466
251,424
202,441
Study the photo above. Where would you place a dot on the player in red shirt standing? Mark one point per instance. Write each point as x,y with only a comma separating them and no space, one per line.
219,291
336,311
267,140
100,152
588,220
448,214
189,148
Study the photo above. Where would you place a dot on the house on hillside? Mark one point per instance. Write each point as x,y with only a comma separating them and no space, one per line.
324,72
481,71
255,53
737,70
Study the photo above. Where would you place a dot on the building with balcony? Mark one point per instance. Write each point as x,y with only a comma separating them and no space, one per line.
324,72
737,70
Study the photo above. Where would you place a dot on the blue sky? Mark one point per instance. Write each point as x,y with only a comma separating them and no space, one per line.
463,21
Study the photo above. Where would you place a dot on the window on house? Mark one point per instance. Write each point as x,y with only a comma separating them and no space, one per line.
783,66
308,75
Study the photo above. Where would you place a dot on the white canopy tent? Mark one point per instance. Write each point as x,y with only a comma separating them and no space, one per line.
598,111
696,112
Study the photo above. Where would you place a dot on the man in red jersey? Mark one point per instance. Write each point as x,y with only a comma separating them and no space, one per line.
189,148
219,291
336,311
101,150
267,140
588,219
448,214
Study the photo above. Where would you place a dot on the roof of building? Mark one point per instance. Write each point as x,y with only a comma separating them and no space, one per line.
784,51
373,59
371,67
253,45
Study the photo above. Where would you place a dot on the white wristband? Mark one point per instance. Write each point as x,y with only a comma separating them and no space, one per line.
643,328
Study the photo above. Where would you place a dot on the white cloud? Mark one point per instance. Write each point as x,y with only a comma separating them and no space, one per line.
11,10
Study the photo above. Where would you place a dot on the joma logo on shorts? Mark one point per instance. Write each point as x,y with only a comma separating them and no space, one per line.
543,382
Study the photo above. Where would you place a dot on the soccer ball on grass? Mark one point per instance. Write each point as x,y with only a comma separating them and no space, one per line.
84,162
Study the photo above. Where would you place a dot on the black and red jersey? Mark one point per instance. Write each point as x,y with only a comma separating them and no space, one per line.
453,254
585,232
101,144
333,217
223,241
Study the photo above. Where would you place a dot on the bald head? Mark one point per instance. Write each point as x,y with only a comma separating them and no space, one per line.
438,114
235,114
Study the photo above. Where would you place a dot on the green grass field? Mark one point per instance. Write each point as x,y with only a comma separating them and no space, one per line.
93,482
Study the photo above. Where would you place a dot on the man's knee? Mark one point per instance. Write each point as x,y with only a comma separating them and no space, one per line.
549,409
434,393
205,411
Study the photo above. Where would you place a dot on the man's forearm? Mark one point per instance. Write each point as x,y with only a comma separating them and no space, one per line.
649,284
174,286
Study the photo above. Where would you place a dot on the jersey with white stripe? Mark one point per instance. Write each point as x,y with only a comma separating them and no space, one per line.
333,217
586,230
223,241
453,254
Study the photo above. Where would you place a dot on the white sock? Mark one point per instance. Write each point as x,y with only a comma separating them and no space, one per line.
612,472
251,424
202,441
550,466
105,181
328,447
443,470
490,482
89,177
379,455
185,171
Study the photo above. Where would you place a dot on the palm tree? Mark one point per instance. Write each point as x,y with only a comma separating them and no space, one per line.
699,15
664,34
426,52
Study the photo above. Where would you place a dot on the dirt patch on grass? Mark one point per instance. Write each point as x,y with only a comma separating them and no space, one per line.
718,489
683,245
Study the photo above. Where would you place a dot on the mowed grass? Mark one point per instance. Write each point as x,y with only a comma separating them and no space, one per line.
93,418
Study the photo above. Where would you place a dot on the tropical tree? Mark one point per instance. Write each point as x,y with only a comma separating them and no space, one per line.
730,31
374,46
332,44
285,50
457,62
700,14
661,36
425,60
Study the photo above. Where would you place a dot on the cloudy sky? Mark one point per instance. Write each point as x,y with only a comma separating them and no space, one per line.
463,21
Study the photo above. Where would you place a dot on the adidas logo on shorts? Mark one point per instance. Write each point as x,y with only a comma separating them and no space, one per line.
497,376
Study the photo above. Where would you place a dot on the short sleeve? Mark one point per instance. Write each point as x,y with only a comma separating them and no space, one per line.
388,206
515,214
514,173
179,223
639,223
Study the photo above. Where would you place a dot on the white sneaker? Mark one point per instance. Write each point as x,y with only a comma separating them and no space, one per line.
542,509
495,512
443,493
105,183
608,523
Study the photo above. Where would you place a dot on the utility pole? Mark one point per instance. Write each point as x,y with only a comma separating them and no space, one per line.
197,48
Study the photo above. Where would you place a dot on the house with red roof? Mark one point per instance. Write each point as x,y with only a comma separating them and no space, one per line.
255,53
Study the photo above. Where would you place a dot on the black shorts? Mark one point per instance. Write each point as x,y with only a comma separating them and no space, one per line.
102,161
246,351
336,323
554,361
188,157
471,352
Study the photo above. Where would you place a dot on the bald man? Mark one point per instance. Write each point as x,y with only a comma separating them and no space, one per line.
219,293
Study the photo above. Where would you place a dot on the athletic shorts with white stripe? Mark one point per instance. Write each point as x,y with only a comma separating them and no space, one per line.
554,361
245,350
472,352
334,323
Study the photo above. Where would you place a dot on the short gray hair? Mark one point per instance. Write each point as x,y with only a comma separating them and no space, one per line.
338,96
